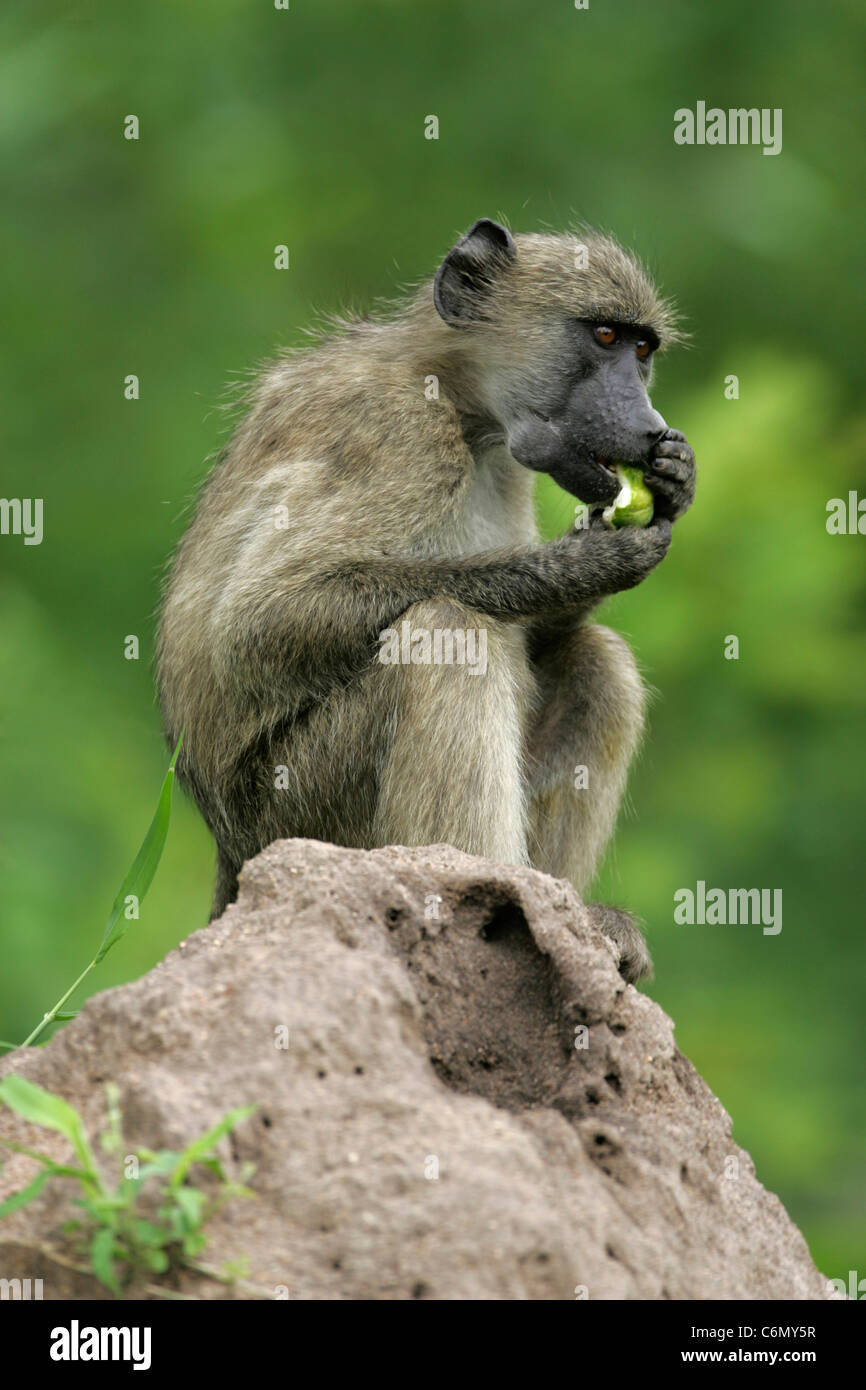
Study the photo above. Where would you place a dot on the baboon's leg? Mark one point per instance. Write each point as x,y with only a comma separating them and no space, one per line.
589,716
454,768
315,778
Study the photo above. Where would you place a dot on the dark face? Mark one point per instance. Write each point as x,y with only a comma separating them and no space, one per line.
592,409
581,408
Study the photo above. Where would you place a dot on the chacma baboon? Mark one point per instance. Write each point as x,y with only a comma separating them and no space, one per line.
383,482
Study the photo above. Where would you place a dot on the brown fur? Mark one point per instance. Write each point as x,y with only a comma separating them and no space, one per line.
400,507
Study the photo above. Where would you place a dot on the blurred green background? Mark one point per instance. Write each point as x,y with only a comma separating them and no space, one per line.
306,127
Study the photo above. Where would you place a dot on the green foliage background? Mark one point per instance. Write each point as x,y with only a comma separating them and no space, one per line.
306,127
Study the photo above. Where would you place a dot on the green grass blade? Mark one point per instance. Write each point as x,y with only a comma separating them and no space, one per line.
27,1194
203,1145
52,1112
102,1258
140,876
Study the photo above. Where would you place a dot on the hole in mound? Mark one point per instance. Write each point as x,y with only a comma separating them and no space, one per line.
490,1012
507,921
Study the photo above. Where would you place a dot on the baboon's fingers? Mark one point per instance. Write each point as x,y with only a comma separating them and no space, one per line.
675,449
620,927
677,468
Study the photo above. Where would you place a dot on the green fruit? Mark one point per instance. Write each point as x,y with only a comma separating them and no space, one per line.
633,504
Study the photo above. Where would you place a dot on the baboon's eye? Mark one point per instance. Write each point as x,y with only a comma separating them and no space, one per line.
643,348
605,335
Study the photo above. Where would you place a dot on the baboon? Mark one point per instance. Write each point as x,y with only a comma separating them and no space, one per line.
383,481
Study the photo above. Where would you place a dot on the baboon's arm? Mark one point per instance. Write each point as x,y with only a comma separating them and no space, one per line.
327,627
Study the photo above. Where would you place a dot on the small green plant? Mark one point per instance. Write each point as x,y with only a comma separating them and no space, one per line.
134,886
123,1245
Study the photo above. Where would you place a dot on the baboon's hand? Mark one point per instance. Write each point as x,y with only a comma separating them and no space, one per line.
620,559
671,475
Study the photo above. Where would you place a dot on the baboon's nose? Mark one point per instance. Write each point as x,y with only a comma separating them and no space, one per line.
656,429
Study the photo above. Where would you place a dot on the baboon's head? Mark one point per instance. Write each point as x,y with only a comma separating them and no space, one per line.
561,333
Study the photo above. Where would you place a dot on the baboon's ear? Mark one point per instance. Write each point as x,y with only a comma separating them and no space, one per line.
466,272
